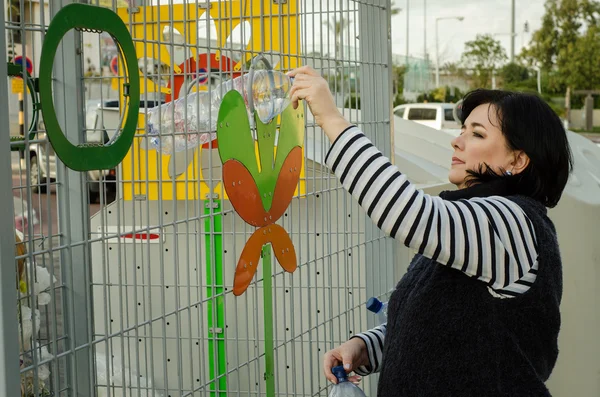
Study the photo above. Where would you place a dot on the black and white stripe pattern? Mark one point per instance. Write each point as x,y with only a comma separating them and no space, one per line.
488,238
374,341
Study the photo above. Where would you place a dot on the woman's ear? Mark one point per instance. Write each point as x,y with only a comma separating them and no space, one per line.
520,162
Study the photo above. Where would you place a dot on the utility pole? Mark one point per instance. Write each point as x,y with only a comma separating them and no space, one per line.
425,28
512,32
407,31
425,44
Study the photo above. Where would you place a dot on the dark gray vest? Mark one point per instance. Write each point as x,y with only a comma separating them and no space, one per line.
447,336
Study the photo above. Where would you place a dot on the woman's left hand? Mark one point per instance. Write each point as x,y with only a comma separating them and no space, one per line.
313,88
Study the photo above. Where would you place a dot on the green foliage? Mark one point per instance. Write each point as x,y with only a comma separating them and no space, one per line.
442,94
398,77
595,130
353,102
483,55
567,45
583,69
399,100
559,109
514,73
398,72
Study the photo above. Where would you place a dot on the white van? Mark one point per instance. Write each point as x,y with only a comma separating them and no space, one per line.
435,115
43,159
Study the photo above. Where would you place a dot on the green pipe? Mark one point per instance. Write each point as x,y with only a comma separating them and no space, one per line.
268,320
216,332
18,142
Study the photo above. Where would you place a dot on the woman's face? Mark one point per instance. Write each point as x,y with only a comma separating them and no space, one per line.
480,141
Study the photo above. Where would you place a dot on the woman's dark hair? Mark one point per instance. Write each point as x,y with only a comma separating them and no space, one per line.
530,125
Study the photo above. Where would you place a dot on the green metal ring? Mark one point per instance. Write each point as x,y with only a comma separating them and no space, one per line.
14,70
85,157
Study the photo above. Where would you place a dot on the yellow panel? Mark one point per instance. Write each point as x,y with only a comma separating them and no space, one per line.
140,170
276,31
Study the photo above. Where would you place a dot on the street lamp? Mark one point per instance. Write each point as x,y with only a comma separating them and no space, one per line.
437,52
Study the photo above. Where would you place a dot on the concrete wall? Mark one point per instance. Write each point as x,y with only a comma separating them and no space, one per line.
577,119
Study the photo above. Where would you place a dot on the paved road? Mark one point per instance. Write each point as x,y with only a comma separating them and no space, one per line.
592,137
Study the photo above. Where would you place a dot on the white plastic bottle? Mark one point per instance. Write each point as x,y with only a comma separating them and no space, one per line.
379,308
191,121
344,388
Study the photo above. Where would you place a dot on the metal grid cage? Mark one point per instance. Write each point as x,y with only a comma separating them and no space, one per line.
124,275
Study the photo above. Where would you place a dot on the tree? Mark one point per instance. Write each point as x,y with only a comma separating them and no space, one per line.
513,74
454,69
442,94
558,46
340,24
583,69
337,27
398,72
483,55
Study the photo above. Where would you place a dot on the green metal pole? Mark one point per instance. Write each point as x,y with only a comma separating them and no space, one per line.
215,304
268,320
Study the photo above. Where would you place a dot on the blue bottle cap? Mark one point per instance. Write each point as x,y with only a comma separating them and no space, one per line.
374,305
340,373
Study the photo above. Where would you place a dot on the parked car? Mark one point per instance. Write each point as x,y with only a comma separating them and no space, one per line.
440,116
43,159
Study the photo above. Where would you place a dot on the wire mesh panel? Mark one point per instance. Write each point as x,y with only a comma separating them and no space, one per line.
51,213
128,274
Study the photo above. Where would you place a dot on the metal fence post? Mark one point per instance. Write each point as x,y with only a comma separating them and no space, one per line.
9,346
376,114
74,216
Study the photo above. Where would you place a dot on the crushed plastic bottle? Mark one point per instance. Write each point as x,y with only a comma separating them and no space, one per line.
191,121
270,93
344,388
378,307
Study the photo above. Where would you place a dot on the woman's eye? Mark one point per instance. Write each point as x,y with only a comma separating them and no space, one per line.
478,135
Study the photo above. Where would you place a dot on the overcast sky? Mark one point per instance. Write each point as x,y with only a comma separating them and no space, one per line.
480,16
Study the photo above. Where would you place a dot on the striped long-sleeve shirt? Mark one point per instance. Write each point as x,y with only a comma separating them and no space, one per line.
488,238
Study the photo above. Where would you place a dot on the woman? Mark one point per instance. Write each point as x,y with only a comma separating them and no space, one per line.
477,313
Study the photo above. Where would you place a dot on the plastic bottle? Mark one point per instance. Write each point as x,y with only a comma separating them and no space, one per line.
191,121
378,307
344,388
270,93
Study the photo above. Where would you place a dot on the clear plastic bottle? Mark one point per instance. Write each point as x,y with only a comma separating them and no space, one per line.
344,388
378,307
191,121
270,93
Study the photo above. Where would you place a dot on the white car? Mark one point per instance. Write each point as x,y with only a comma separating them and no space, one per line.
435,115
43,159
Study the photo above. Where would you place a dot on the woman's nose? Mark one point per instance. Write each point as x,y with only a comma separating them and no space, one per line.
455,142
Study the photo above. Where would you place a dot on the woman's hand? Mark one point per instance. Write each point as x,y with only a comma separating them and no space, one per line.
351,354
310,86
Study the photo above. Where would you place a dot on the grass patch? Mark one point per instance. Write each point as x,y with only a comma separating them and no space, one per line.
595,130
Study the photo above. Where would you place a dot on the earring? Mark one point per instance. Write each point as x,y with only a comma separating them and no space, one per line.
508,173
